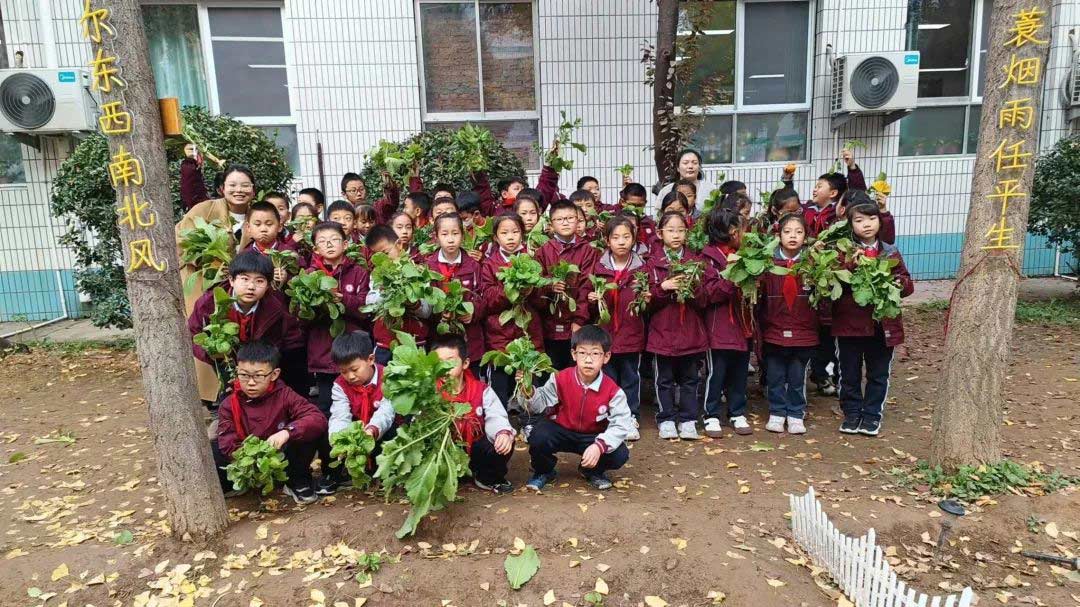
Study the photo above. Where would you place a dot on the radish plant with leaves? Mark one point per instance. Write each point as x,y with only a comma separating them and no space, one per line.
641,292
601,286
626,170
872,284
850,144
311,296
519,278
520,355
754,258
561,272
220,336
691,271
286,260
538,236
425,457
209,247
403,285
823,271
352,448
478,236
564,137
355,252
468,151
452,308
256,464
303,225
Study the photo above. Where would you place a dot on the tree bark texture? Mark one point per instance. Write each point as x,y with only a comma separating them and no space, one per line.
187,476
967,422
665,138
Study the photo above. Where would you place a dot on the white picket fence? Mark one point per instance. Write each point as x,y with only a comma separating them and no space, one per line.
858,565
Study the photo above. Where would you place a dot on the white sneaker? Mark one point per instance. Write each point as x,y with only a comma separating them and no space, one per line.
741,425
795,426
713,429
776,423
668,431
637,424
633,434
688,431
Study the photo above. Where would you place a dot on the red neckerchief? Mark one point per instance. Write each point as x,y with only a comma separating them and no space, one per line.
260,248
318,263
246,322
469,426
447,269
790,290
234,404
870,251
508,202
362,399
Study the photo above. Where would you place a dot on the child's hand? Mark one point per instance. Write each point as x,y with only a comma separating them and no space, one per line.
504,442
574,328
280,276
476,255
848,157
591,457
297,237
466,318
883,202
278,439
555,148
648,297
371,431
672,284
386,179
594,296
415,169
558,287
626,180
336,294
446,316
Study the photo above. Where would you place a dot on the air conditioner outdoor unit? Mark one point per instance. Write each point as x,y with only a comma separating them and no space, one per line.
46,102
874,83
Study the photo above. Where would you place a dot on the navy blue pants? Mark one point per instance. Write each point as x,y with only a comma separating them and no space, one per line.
486,465
785,379
727,372
857,354
548,439
677,381
625,370
824,353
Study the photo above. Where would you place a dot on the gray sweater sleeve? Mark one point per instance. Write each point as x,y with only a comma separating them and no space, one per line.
340,412
495,418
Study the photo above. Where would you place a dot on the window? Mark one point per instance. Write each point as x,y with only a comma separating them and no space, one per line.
3,44
952,38
753,73
228,59
11,160
478,62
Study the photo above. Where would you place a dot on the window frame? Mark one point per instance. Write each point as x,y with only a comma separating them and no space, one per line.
482,115
206,43
737,108
966,102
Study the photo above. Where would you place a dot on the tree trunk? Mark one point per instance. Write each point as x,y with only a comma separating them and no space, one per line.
665,137
187,475
967,422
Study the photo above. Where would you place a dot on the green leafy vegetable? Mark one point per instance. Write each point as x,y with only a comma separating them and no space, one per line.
822,270
538,235
564,139
403,285
522,275
470,142
395,159
691,270
561,272
287,260
453,306
754,258
352,447
641,289
522,567
303,225
478,236
625,170
256,465
355,252
422,238
220,337
209,247
872,284
423,457
601,286
311,295
520,355
850,144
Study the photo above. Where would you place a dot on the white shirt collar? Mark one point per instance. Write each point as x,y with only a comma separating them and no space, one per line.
594,386
249,312
443,259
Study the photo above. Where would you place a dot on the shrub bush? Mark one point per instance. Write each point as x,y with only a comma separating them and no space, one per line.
84,198
1055,196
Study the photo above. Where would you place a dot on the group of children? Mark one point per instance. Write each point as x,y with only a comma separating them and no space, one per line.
683,332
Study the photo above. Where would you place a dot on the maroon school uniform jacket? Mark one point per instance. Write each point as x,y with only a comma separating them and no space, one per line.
786,316
388,204
676,329
192,183
270,322
582,254
467,270
627,330
852,320
725,321
279,409
548,185
353,286
496,334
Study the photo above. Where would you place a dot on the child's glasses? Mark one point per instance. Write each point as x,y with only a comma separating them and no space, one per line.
248,377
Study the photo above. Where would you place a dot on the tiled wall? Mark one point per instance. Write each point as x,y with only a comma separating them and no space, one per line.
353,68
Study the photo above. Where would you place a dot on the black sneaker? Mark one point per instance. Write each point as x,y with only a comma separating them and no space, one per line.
598,480
499,488
850,426
870,427
328,484
301,495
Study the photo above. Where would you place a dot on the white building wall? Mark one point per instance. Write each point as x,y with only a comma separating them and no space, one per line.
354,78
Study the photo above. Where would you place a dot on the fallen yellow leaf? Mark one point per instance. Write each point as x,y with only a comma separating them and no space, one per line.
255,602
601,586
679,543
655,601
1051,530
60,572
775,583
744,489
549,597
261,532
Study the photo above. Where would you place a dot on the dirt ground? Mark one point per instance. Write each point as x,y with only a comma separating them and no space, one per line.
85,519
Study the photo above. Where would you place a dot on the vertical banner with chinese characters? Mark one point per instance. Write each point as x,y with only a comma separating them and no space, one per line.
979,325
129,120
